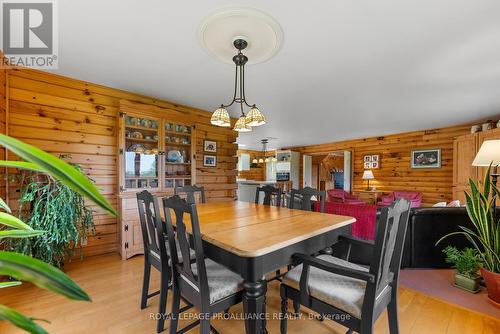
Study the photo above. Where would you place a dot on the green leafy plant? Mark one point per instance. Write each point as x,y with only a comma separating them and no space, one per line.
466,261
48,204
486,236
26,268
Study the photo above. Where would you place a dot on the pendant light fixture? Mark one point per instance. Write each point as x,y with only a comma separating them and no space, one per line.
220,117
264,158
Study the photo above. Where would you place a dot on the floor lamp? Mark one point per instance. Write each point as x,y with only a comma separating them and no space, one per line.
489,154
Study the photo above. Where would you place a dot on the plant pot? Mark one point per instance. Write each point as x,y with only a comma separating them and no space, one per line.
492,281
466,283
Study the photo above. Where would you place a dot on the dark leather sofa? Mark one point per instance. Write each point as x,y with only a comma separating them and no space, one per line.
425,227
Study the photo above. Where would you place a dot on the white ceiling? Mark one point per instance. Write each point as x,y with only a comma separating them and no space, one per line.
346,69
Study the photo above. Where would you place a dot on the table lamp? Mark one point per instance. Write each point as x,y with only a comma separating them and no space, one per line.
368,175
489,153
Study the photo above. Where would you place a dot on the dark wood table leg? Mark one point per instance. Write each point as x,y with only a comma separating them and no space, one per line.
254,306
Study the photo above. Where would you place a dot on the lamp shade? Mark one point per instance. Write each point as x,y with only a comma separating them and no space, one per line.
241,125
255,117
368,175
489,153
220,117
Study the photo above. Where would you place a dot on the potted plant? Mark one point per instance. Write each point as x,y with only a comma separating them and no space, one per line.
467,263
485,237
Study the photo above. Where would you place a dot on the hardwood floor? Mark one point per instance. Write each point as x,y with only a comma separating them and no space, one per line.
114,286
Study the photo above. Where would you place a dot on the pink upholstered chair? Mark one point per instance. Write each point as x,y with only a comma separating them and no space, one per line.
415,198
342,196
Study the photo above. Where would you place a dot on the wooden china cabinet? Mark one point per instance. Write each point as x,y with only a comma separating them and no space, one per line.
155,153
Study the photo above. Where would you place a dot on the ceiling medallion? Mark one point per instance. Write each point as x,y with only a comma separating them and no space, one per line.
244,29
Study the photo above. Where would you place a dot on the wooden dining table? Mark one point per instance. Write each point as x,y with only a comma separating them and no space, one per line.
254,240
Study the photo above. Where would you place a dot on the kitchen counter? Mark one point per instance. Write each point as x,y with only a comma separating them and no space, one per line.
247,188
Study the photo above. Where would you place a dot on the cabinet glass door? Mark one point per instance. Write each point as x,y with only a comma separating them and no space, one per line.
177,155
141,153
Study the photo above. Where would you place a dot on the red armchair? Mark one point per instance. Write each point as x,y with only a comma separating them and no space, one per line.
342,196
415,198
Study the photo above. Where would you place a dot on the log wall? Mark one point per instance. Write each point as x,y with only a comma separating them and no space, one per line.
72,117
395,172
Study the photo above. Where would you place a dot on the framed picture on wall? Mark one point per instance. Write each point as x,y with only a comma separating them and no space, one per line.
371,161
426,158
209,161
210,146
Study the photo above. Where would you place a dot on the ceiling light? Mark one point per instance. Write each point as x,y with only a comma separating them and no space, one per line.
266,160
255,117
241,125
220,117
261,161
254,161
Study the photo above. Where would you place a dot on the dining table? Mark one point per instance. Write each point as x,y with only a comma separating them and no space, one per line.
255,240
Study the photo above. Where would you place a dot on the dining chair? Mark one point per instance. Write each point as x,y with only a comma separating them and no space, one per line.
347,293
206,284
304,197
190,192
272,195
155,252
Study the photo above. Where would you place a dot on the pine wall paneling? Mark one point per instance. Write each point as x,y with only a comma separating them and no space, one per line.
395,172
3,113
67,116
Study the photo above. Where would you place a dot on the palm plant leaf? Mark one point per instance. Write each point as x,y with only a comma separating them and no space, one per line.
11,221
41,274
20,234
4,206
59,169
19,320
9,284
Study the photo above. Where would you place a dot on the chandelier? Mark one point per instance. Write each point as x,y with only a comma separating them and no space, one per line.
220,117
264,158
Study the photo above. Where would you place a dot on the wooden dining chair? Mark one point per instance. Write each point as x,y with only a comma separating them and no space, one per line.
209,286
190,192
272,195
304,197
349,294
155,252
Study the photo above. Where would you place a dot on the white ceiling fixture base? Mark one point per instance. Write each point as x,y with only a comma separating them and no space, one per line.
262,33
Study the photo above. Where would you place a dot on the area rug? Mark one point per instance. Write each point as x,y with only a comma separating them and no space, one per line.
438,283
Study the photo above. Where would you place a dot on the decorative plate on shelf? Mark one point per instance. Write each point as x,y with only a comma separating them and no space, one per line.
174,156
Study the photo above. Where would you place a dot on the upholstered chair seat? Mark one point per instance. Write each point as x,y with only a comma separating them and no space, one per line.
343,292
222,282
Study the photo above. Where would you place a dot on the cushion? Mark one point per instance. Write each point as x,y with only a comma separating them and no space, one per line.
179,254
342,292
454,204
222,282
440,205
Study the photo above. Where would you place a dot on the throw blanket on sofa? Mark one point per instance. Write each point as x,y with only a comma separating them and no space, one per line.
365,214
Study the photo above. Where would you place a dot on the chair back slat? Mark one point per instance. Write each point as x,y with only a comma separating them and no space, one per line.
190,192
271,194
304,196
389,241
151,225
184,269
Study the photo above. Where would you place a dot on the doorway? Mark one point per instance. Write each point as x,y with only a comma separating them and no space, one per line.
328,171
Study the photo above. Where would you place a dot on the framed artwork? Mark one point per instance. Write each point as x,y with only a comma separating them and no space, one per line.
371,161
426,158
209,160
210,146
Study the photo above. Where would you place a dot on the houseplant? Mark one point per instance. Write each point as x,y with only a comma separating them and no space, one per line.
25,268
485,237
467,263
50,205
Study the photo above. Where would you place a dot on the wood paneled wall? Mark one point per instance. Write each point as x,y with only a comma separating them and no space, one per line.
395,172
67,116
